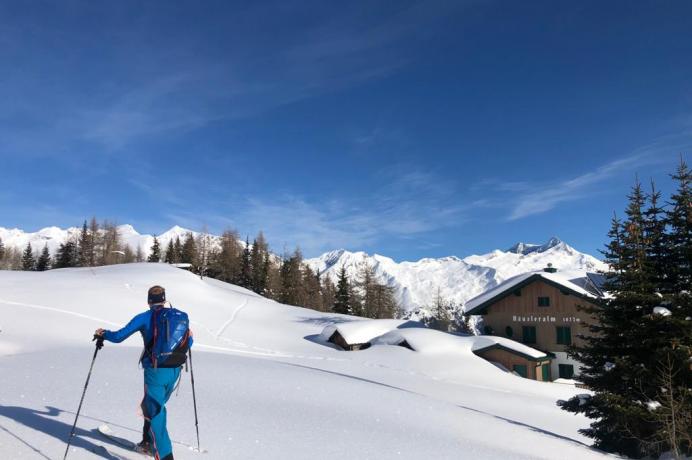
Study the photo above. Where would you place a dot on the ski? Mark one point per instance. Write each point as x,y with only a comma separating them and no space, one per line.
106,431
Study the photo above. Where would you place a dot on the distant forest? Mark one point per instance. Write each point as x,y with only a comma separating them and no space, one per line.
286,279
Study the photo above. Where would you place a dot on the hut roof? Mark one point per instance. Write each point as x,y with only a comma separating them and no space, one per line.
574,282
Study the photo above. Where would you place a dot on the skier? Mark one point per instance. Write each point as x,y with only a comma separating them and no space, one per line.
159,379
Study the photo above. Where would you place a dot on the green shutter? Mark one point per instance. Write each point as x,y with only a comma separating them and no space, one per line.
546,372
564,335
520,369
528,334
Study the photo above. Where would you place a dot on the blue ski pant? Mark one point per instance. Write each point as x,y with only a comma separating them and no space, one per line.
159,384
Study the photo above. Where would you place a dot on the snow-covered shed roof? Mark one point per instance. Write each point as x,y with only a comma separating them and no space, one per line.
487,342
363,331
430,341
575,282
426,340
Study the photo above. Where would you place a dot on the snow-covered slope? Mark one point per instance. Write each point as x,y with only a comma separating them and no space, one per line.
458,280
267,386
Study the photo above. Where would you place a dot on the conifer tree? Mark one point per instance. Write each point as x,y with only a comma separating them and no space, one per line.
638,326
189,250
2,250
328,293
43,262
654,232
292,279
342,299
679,238
311,289
245,278
259,261
170,253
178,251
67,255
155,252
84,245
28,259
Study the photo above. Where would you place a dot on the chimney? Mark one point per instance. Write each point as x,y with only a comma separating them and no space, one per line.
550,269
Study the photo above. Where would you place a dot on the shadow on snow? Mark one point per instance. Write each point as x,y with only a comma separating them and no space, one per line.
45,422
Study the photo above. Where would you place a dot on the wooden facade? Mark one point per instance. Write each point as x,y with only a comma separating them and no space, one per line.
540,313
530,368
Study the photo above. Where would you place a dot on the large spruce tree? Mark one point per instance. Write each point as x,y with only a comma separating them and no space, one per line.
639,341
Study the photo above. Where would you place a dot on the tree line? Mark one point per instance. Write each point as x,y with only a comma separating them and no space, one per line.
638,357
286,279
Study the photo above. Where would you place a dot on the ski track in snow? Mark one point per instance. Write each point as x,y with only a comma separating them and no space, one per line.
232,318
57,310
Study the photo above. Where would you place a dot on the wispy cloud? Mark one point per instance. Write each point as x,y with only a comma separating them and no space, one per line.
144,85
406,206
543,198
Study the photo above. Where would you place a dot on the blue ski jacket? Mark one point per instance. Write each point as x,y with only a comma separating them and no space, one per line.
142,324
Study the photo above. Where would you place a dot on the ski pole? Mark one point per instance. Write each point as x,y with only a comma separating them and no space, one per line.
99,345
194,398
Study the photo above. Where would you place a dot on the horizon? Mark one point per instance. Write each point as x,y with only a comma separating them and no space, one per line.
272,249
415,129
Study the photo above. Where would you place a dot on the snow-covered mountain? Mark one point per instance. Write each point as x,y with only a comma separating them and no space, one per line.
415,283
54,237
458,280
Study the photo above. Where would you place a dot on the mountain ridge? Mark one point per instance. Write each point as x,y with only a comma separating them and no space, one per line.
415,283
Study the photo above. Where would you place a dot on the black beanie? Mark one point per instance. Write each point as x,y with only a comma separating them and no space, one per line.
156,294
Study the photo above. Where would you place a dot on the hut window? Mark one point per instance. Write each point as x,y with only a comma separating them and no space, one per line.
508,331
544,301
564,335
566,371
528,334
517,292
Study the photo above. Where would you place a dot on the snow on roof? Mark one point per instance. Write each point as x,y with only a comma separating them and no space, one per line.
487,341
425,340
363,331
566,279
432,341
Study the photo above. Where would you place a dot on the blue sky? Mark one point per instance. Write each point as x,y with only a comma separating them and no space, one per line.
411,129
